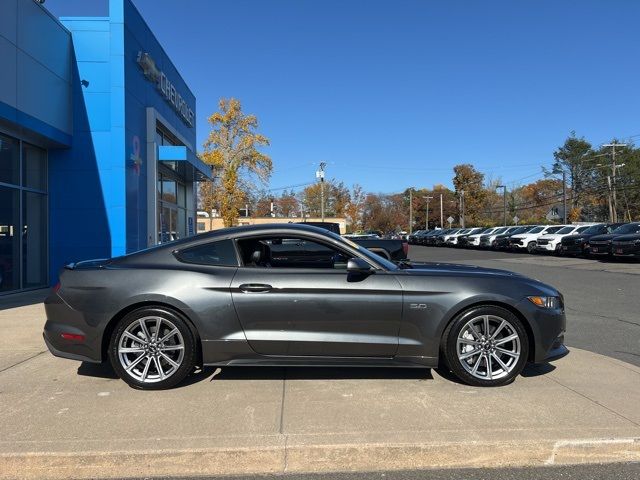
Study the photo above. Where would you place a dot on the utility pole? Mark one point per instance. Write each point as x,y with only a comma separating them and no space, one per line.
426,223
612,181
320,176
462,208
504,201
410,211
564,195
441,213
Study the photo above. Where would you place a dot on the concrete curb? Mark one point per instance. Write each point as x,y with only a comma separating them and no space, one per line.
317,458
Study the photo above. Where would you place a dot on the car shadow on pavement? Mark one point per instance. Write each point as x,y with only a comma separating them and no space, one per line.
537,369
98,370
320,373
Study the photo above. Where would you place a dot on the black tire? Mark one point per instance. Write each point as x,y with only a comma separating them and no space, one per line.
450,345
531,247
188,359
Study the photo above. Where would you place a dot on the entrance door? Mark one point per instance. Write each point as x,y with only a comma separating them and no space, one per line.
295,307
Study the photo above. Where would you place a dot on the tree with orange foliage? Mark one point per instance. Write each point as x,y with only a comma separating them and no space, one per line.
232,151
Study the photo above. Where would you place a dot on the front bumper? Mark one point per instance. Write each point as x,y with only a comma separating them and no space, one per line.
572,249
548,328
549,247
601,250
626,250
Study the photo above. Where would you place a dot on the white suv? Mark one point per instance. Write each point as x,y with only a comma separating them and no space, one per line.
453,239
529,240
551,242
474,240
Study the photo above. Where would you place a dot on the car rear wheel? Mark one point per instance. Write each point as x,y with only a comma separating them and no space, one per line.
486,346
152,349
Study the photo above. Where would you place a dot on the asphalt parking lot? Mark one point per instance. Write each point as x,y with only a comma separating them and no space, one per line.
602,298
63,419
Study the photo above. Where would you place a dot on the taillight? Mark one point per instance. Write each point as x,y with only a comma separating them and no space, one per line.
405,247
72,336
56,287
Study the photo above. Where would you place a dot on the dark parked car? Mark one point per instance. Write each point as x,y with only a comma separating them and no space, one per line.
412,237
600,245
439,239
626,246
392,249
579,244
290,295
425,236
503,242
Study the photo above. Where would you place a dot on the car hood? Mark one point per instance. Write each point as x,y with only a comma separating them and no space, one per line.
608,236
628,237
427,268
551,236
574,236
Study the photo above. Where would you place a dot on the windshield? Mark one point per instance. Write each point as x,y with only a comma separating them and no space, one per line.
628,228
500,230
582,229
594,229
537,230
566,230
554,229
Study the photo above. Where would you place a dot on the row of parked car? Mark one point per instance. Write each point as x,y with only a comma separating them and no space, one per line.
597,240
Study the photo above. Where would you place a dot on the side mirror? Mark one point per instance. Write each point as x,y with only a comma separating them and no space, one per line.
358,265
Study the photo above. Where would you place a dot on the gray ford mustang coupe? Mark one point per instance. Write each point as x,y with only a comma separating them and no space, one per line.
296,295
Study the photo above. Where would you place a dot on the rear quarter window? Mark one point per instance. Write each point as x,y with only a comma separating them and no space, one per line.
220,253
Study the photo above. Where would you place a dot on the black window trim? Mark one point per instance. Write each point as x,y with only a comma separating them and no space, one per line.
178,253
311,238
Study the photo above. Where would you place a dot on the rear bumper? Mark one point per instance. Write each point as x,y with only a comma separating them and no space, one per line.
61,318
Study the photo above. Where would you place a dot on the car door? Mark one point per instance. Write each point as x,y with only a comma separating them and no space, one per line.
292,309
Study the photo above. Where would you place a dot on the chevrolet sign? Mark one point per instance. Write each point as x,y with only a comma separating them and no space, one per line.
166,88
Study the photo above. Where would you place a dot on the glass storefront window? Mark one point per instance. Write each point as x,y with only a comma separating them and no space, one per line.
34,237
169,190
34,169
23,241
9,160
9,239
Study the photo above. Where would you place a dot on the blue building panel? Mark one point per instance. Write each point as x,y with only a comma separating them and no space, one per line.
77,88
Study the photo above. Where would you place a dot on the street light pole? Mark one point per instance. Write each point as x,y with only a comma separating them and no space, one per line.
410,211
427,219
504,201
462,208
614,206
441,213
320,175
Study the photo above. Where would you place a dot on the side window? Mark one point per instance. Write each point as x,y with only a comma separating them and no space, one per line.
219,253
287,252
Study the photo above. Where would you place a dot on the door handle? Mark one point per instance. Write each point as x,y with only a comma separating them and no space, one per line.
255,287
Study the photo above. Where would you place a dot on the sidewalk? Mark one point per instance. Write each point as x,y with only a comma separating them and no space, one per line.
61,419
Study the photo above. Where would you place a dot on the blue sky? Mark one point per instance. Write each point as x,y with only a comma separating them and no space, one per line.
393,94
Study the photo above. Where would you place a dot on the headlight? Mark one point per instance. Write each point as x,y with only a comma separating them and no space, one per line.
546,302
580,240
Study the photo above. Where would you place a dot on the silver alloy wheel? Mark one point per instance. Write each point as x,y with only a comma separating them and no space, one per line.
488,347
151,349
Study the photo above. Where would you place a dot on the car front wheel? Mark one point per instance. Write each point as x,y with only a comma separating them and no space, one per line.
152,349
486,346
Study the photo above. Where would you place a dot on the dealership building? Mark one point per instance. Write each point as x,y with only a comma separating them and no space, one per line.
97,141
